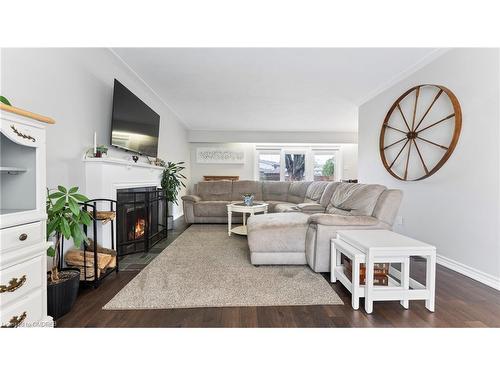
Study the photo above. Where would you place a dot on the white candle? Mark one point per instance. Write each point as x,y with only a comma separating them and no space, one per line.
95,143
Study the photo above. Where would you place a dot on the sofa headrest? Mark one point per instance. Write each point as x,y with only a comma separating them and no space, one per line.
297,191
275,190
214,190
354,199
388,206
246,186
315,191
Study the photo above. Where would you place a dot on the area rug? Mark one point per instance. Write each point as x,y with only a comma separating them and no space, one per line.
206,268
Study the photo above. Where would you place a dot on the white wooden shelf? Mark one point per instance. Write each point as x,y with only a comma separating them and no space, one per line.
110,160
12,170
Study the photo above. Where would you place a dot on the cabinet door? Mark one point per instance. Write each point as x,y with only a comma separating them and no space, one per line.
22,168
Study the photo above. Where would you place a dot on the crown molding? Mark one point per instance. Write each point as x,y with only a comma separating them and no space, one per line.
129,68
427,59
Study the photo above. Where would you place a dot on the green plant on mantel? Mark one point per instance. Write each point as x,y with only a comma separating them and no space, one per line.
65,218
4,100
172,180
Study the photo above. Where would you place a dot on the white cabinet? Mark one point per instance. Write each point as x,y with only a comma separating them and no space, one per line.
23,245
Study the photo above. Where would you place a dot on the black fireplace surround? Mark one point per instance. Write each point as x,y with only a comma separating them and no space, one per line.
141,220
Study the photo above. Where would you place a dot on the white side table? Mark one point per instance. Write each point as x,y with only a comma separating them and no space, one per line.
383,246
243,208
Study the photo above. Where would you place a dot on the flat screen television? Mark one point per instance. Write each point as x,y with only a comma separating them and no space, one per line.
134,126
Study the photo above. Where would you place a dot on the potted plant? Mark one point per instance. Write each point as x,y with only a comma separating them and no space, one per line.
102,151
65,218
171,183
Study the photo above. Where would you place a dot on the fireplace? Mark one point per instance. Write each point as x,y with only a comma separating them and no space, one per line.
141,220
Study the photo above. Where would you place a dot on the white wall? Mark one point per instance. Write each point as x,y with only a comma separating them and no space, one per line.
457,209
75,87
246,171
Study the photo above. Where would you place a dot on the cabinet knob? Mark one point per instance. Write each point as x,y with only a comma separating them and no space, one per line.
23,237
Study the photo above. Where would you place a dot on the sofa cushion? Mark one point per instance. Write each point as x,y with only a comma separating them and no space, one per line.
354,199
315,191
275,190
297,191
214,190
286,207
327,193
211,208
283,233
273,204
244,186
310,208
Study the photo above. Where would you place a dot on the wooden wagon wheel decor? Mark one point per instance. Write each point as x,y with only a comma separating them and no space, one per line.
420,132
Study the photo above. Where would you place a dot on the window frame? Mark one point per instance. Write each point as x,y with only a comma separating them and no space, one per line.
308,150
268,151
336,155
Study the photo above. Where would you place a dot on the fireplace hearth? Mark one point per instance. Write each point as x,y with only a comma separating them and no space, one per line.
141,220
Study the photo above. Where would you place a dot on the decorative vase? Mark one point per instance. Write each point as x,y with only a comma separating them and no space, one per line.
248,199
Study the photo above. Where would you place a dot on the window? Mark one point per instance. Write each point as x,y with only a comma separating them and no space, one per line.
324,166
295,166
296,163
269,166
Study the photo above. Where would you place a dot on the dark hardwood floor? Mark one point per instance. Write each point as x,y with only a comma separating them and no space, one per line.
460,302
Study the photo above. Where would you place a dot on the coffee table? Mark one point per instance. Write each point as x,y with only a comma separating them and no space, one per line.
383,246
243,208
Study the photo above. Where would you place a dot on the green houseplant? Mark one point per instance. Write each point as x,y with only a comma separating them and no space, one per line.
171,183
329,168
65,218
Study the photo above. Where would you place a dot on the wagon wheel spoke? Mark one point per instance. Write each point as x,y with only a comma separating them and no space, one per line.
407,161
399,153
437,122
417,92
428,109
393,128
395,143
432,143
404,118
421,158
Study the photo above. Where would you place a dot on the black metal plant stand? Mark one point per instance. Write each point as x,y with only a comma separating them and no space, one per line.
96,280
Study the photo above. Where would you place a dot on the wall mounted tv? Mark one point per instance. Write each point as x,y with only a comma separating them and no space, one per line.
134,126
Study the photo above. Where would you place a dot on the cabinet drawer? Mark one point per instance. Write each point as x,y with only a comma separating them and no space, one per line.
21,279
28,309
22,235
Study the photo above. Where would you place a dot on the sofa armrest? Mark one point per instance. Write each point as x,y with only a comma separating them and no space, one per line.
342,220
312,208
191,198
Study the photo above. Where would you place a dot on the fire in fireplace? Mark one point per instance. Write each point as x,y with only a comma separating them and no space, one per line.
140,226
141,219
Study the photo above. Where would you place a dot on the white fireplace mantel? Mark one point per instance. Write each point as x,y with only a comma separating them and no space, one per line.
130,164
104,176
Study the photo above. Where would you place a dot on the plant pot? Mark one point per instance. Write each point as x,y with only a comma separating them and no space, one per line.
61,295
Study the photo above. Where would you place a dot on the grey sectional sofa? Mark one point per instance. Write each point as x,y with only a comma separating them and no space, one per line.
303,216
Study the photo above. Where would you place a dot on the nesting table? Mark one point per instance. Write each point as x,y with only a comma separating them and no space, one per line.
383,246
243,208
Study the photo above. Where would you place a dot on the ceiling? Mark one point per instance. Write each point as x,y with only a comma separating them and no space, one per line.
270,89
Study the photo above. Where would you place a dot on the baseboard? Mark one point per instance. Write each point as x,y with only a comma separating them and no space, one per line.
473,273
